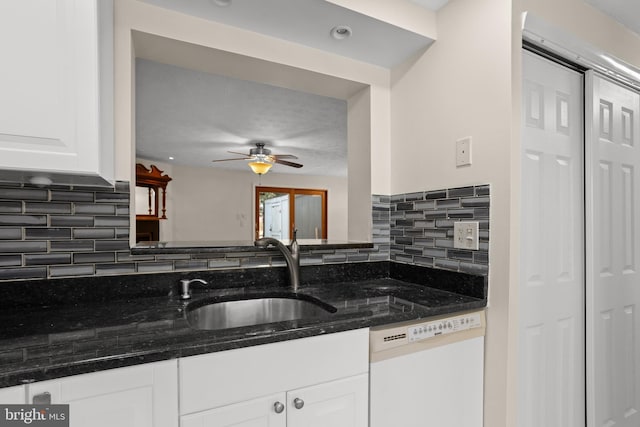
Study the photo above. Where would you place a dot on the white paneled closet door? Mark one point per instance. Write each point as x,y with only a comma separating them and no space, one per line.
613,255
551,325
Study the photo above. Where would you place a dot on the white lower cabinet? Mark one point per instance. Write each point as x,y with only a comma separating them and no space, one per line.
137,396
341,403
13,395
309,382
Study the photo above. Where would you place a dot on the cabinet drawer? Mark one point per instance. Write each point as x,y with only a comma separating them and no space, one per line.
227,377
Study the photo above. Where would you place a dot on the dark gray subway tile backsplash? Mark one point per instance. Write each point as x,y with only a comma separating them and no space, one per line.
421,228
66,232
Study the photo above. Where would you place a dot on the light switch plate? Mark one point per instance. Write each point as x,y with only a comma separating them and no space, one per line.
463,151
466,235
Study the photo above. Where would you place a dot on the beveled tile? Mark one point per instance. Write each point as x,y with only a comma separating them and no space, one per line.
10,260
22,246
47,233
22,220
7,233
71,221
47,207
47,259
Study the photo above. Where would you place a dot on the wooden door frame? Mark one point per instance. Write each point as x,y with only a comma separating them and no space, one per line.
291,192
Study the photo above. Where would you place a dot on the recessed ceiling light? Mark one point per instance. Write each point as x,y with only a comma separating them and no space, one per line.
221,3
170,157
341,32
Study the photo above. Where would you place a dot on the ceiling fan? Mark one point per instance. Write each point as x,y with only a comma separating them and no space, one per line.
262,159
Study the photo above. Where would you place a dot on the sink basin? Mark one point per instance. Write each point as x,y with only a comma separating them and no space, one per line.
248,311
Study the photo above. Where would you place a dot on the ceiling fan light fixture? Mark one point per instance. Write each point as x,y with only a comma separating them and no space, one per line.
260,167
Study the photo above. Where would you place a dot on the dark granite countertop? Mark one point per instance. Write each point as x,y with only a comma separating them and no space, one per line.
51,342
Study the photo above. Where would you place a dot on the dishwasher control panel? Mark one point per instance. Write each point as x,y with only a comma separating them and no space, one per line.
449,325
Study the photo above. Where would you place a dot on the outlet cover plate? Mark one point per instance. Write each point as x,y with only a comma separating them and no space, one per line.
466,235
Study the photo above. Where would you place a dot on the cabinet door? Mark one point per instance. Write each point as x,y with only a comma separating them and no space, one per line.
13,395
341,403
268,411
53,108
218,379
137,396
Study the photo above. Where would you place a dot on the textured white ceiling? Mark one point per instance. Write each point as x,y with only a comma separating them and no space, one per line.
197,117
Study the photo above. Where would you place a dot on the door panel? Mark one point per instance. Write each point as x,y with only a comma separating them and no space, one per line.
551,365
613,293
341,403
308,220
275,216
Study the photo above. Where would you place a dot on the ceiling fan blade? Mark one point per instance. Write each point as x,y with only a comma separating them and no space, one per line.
286,163
242,154
284,156
226,160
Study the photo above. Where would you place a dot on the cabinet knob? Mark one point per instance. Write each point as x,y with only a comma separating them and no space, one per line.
42,398
298,403
278,407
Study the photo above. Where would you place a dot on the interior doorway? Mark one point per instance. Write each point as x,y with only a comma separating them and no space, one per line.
278,211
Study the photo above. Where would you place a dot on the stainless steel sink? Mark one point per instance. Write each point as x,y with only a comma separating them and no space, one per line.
255,311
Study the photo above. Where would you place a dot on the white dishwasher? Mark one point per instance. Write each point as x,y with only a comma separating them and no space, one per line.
428,373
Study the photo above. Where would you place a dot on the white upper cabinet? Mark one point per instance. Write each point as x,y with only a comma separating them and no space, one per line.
56,81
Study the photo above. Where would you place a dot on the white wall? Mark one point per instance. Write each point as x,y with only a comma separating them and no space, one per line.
359,136
462,87
217,204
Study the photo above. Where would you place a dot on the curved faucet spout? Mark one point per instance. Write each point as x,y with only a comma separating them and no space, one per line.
291,257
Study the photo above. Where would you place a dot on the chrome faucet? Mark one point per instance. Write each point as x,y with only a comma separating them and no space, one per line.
292,257
186,292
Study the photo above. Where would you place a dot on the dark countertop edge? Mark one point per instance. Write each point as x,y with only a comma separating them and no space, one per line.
119,361
237,246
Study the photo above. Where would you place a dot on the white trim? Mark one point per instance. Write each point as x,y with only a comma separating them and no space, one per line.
589,246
